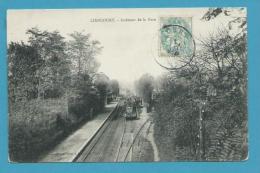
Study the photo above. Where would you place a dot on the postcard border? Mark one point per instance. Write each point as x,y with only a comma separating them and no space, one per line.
251,165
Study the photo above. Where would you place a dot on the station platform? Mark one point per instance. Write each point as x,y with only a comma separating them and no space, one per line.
69,148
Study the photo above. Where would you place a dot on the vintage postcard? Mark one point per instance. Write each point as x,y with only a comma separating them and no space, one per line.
127,85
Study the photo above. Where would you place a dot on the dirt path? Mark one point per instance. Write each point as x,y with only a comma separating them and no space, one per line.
150,137
144,148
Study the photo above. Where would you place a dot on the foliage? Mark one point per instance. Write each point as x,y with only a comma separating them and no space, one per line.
33,126
47,69
114,87
101,82
53,74
213,84
144,87
24,61
82,50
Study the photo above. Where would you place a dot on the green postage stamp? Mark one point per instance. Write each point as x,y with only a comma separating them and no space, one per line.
175,38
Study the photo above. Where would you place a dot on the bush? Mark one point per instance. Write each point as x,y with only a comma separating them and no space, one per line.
224,124
53,93
76,106
84,103
34,126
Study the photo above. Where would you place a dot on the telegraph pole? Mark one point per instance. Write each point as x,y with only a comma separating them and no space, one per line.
201,152
200,133
211,92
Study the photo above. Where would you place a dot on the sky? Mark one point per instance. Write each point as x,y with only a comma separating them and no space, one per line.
128,45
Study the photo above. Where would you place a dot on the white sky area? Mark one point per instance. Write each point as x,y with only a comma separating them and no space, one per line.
127,45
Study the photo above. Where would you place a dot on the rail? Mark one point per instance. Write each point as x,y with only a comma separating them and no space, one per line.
98,133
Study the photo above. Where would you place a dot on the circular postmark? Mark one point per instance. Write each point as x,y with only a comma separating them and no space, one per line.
177,47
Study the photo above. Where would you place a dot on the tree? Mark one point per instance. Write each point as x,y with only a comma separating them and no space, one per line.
101,81
83,51
53,74
114,87
230,51
144,87
219,67
23,62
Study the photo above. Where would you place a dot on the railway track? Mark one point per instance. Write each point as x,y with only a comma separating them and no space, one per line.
121,142
90,145
112,142
148,121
